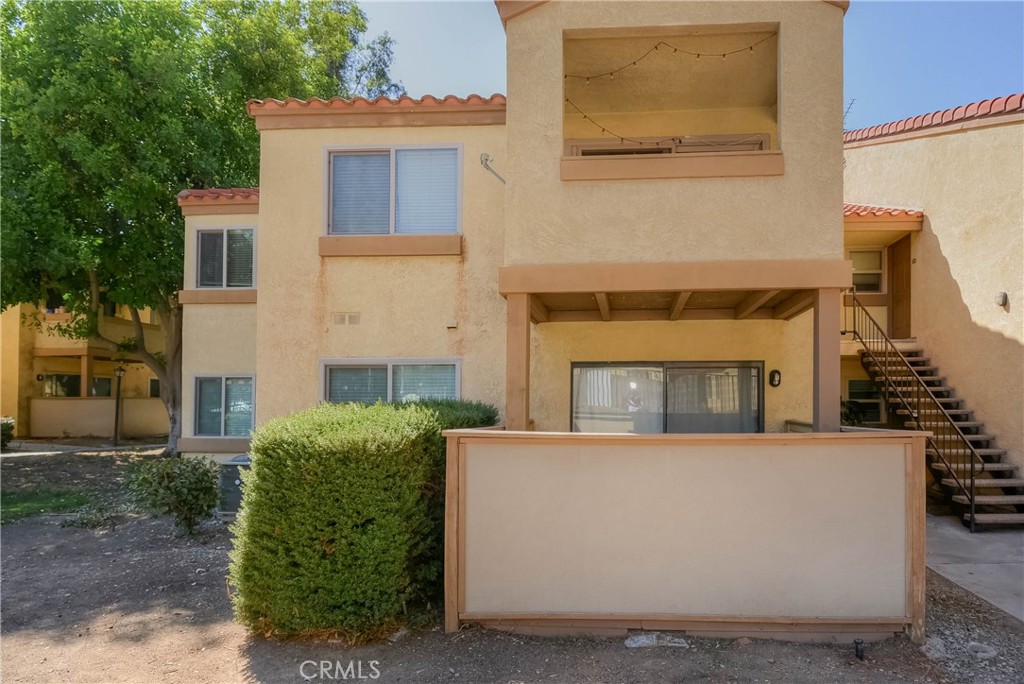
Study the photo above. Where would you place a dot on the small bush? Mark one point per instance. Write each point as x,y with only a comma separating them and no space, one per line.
6,432
342,515
183,487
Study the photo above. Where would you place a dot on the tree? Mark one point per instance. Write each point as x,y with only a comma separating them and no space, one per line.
111,108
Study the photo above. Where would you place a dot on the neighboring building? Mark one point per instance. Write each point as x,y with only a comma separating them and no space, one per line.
55,386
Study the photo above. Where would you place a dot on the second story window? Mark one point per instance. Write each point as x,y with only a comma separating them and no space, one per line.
225,258
405,191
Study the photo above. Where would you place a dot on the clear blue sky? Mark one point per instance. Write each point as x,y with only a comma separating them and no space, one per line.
902,58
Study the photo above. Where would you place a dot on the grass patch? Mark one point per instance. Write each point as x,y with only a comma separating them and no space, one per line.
18,505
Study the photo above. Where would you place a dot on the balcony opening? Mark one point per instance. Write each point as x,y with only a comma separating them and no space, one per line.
671,93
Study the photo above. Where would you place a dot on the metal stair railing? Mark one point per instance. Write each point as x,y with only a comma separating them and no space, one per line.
950,445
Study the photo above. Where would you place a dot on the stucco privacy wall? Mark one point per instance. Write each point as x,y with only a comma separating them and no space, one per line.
94,417
971,187
578,529
217,340
782,345
405,304
793,216
692,121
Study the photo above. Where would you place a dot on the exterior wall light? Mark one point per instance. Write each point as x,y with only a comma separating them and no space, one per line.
1002,299
775,378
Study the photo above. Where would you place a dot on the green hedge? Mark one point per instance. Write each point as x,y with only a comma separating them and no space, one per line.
6,431
342,509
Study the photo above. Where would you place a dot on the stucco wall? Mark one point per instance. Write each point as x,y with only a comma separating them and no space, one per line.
643,529
782,345
970,185
217,339
15,368
405,304
94,417
782,217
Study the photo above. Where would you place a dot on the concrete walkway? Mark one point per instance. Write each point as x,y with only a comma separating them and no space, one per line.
41,448
989,564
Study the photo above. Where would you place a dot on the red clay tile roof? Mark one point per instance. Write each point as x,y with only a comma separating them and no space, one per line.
866,210
219,195
496,101
976,110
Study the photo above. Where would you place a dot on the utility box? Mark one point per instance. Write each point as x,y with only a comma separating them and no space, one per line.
231,484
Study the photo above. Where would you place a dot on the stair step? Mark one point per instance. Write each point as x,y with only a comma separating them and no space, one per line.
872,368
941,400
931,424
914,358
996,518
952,437
979,467
966,452
911,380
991,499
989,483
924,413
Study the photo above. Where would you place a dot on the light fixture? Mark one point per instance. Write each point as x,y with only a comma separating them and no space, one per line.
775,378
1002,299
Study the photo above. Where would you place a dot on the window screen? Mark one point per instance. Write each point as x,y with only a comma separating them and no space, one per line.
361,193
426,191
362,384
411,383
211,258
208,406
237,407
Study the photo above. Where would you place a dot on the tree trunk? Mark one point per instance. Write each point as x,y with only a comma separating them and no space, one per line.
170,385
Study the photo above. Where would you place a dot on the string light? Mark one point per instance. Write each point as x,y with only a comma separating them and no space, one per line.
676,139
675,50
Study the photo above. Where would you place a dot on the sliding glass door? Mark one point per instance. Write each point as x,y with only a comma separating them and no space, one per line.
677,397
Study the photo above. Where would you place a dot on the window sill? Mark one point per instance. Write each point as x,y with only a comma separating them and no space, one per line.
390,245
214,445
218,296
711,165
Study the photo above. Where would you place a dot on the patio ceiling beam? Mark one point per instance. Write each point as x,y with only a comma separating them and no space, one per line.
538,312
632,315
794,305
695,276
603,306
753,302
678,304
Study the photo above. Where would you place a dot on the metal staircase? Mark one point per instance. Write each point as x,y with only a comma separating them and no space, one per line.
963,459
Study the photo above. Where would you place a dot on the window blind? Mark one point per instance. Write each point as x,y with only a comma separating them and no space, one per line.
361,193
363,384
413,382
239,258
208,408
426,191
237,407
211,259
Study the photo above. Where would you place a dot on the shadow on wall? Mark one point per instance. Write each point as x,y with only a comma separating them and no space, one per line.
984,365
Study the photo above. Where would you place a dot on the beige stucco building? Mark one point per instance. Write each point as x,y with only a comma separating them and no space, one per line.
628,271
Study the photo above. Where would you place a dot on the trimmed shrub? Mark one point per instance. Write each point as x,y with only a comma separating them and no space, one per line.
6,431
183,487
341,518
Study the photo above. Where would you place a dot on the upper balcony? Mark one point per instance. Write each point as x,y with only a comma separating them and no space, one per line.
671,102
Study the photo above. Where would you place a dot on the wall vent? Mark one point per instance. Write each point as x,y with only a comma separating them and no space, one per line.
339,318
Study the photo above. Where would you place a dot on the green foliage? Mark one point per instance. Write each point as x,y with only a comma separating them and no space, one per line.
341,516
183,487
851,413
6,431
22,504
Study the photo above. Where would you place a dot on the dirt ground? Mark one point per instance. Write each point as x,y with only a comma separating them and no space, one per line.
137,604
99,472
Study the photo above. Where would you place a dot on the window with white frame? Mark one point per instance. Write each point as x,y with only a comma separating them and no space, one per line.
225,257
224,406
403,381
868,269
401,190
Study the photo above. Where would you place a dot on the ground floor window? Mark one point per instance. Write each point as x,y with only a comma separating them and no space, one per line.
224,406
864,395
676,397
369,382
62,385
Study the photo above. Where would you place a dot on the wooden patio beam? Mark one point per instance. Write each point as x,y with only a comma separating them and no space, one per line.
603,306
678,305
753,302
538,312
794,305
